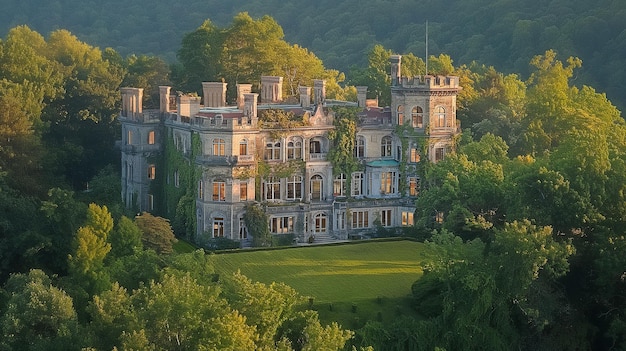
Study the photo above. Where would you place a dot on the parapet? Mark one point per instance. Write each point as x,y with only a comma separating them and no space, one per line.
430,82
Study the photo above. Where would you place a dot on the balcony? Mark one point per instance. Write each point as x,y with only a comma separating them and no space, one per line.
136,149
245,159
318,156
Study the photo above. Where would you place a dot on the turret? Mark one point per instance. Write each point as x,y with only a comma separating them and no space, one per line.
271,89
132,102
214,94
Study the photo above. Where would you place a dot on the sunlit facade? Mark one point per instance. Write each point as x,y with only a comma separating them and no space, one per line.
301,193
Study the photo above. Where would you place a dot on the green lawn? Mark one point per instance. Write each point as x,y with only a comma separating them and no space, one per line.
349,283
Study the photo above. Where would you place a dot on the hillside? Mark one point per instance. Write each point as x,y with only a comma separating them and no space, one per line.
504,33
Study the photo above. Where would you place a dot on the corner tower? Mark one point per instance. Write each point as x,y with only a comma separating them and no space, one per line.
427,105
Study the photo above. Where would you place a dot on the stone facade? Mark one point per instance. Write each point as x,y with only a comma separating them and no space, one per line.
310,200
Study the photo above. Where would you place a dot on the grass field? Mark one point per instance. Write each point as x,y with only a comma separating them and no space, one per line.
348,283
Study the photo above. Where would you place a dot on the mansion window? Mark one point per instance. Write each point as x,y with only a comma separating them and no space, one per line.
272,188
359,147
243,191
281,225
151,172
272,150
385,218
414,186
200,189
340,221
315,147
219,147
360,219
320,223
385,147
150,202
407,218
151,139
417,117
414,154
243,230
339,185
439,217
388,182
357,184
129,138
218,227
440,153
294,187
176,178
316,187
440,117
400,115
294,150
243,147
219,190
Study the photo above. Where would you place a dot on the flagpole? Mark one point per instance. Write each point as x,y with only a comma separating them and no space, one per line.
426,47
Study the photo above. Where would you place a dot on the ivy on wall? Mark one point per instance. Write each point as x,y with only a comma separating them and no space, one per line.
343,138
180,191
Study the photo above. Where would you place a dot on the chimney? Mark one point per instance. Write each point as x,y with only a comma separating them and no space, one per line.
132,102
164,101
250,105
242,89
396,62
361,96
214,94
271,89
319,86
188,106
305,96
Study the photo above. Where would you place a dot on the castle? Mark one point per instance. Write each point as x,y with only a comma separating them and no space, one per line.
237,158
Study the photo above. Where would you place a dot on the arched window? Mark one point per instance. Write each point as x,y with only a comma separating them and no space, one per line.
243,230
320,223
272,150
243,147
400,114
440,117
218,227
359,147
385,147
315,147
417,117
316,187
219,147
294,149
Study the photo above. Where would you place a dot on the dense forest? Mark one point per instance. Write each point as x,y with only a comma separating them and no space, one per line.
526,219
504,34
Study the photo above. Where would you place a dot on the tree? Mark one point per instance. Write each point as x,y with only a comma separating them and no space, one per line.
199,55
38,316
90,249
257,223
265,306
82,120
548,110
125,239
480,302
157,233
172,313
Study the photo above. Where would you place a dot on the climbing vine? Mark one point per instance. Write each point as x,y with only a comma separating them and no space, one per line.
279,122
180,187
343,138
406,134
